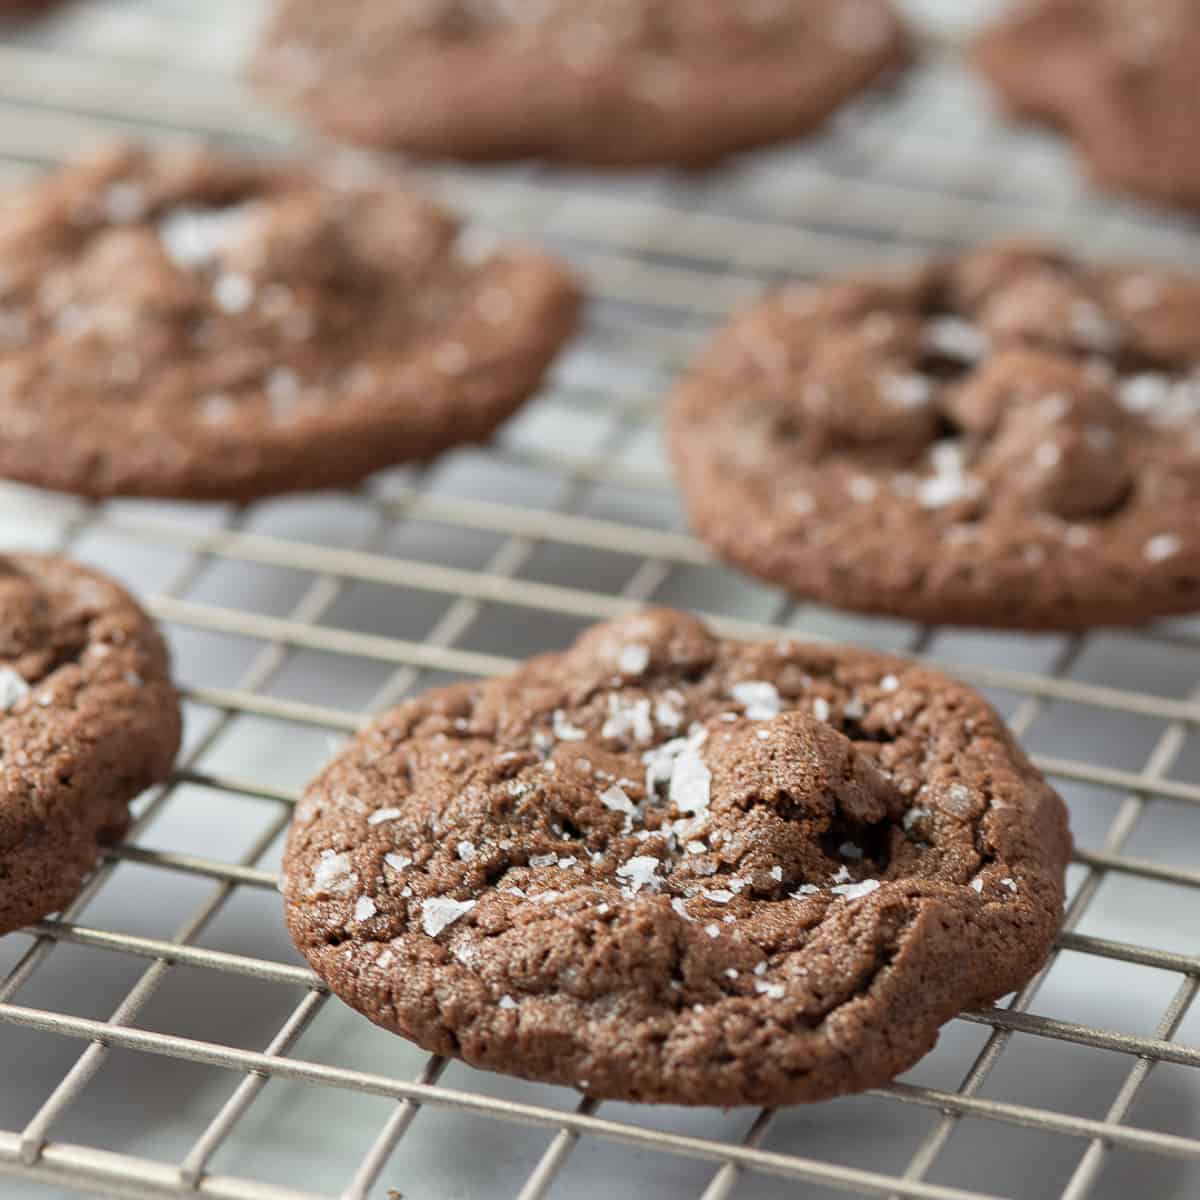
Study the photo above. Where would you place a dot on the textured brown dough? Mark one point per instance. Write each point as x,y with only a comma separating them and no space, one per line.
1119,76
1010,438
671,868
88,719
616,82
183,324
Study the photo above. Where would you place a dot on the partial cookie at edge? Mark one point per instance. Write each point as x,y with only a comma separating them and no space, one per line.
88,720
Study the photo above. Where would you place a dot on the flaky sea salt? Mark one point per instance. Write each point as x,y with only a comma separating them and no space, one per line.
906,391
640,872
855,891
633,659
332,874
439,912
956,339
13,688
1162,547
668,710
628,719
862,488
232,293
760,700
950,483
691,782
194,237
383,814
614,798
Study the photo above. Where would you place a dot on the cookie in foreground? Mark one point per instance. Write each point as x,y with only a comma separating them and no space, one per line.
1118,77
666,867
180,323
88,720
611,83
1008,438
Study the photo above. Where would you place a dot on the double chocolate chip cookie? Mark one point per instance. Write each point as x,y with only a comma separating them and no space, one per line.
88,719
182,324
1119,76
1010,438
671,868
594,81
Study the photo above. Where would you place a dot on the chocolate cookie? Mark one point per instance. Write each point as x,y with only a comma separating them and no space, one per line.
1008,439
670,868
88,719
1119,76
595,81
180,324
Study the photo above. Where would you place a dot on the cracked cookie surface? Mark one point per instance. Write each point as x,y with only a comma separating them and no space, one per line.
596,81
88,719
666,867
184,324
1010,438
1118,76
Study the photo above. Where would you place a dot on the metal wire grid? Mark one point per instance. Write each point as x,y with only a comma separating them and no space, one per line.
663,263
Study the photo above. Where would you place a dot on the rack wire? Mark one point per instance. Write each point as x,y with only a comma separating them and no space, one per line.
292,620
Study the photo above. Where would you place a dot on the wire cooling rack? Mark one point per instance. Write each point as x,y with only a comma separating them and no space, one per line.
161,1038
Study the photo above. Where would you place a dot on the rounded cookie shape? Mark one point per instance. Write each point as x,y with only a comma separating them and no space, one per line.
182,324
666,867
1010,438
88,719
1119,76
614,82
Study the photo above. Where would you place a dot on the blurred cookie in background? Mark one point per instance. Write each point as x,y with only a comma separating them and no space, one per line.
185,324
615,82
1120,77
1010,438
